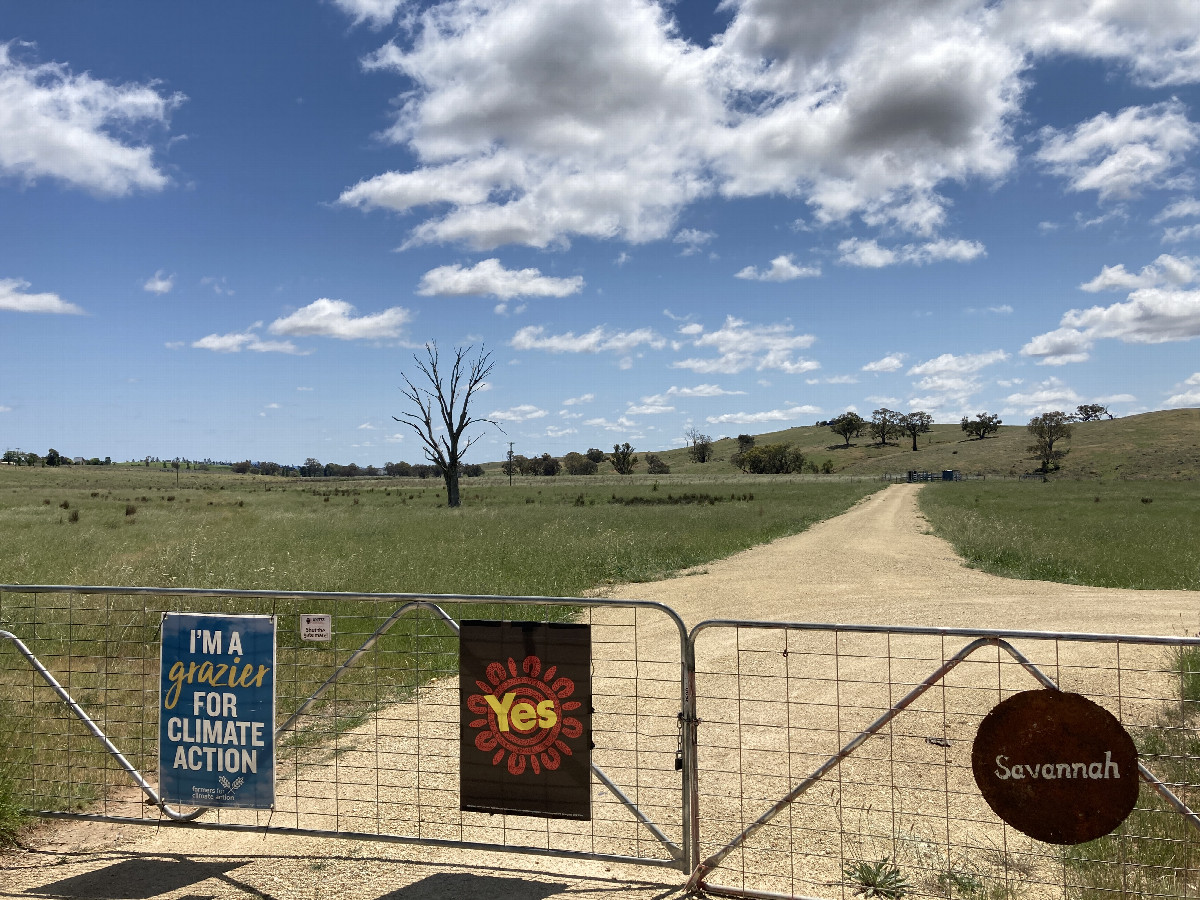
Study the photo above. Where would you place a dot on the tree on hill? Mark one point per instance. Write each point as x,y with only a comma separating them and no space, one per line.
884,423
595,454
655,465
578,464
622,458
773,459
701,449
982,425
443,400
1089,412
848,425
915,423
1047,430
745,443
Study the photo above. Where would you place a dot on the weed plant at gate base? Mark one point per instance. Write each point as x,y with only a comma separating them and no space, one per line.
876,878
1156,851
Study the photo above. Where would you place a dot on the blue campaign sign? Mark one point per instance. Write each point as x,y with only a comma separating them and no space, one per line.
216,725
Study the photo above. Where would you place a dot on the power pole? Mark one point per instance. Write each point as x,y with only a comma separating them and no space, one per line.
510,464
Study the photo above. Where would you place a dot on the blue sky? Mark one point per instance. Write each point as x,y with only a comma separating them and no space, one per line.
227,227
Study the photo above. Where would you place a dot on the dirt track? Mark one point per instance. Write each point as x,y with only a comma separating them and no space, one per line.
879,564
875,564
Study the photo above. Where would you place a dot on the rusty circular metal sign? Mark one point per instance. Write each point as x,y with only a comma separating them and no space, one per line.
1056,766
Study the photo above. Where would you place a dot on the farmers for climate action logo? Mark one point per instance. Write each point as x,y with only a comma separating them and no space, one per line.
524,715
525,718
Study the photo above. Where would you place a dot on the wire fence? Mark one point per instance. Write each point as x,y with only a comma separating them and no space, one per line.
377,754
836,761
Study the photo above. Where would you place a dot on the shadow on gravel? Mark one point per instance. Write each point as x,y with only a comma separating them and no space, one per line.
465,886
136,879
158,876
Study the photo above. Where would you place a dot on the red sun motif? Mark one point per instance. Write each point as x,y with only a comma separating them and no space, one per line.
532,704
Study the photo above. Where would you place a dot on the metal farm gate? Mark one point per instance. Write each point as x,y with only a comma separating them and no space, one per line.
368,724
760,759
835,760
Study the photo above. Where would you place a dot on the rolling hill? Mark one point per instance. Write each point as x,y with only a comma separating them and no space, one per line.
1154,445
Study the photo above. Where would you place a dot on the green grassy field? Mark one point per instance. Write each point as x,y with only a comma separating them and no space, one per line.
555,536
1124,534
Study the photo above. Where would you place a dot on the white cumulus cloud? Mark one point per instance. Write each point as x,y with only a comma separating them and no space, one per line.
693,240
537,121
1184,398
236,342
336,319
788,414
1051,394
1165,271
599,339
1163,306
951,380
1159,40
13,297
522,413
58,125
159,283
377,13
540,120
489,278
701,390
741,346
783,268
1059,347
893,362
868,254
1119,156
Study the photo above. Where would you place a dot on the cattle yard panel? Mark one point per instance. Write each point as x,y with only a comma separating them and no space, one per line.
367,739
835,761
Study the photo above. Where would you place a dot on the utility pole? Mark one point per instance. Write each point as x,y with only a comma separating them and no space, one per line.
510,464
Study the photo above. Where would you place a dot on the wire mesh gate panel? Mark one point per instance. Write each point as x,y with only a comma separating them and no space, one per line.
368,723
835,761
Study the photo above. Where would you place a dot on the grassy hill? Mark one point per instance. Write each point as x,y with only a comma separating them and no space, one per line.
1153,445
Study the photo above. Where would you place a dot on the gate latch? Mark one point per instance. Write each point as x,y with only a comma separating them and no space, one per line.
679,746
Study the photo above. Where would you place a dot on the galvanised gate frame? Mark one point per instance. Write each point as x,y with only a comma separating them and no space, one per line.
850,746
786,707
369,738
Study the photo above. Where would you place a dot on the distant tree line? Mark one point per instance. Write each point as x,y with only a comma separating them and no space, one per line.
52,458
314,468
573,463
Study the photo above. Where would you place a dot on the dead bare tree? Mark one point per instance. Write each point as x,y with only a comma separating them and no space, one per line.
445,402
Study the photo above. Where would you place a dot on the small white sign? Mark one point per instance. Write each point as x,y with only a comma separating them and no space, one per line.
316,628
